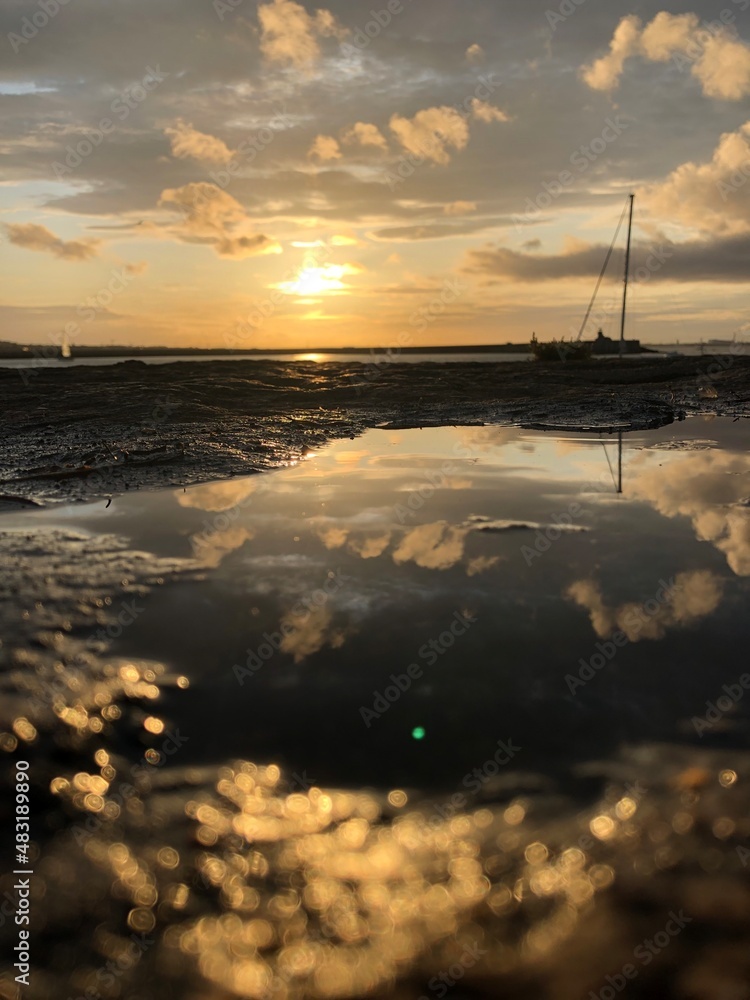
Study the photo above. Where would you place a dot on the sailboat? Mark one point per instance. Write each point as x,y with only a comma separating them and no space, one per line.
579,350
66,353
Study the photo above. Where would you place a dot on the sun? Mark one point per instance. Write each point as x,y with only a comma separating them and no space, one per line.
318,280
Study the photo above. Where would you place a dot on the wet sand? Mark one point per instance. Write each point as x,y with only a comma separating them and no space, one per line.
90,431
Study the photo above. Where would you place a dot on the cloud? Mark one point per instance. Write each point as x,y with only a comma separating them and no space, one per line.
343,240
31,236
432,231
722,260
441,545
211,216
711,196
484,112
431,133
136,267
325,147
366,135
188,143
475,54
370,546
694,595
289,35
239,247
216,497
333,536
304,636
705,487
460,207
716,57
480,564
211,548
207,209
605,73
432,546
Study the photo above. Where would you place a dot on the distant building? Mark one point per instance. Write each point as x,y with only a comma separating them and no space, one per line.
605,345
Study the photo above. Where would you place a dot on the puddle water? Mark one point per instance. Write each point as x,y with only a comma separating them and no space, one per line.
389,611
486,616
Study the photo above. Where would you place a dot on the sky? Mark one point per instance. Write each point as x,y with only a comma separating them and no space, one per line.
398,173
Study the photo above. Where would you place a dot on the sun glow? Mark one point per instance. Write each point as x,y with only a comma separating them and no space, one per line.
317,280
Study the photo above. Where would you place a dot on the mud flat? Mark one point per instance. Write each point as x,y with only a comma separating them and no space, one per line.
89,431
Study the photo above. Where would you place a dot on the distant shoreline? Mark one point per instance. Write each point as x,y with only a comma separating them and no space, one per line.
11,351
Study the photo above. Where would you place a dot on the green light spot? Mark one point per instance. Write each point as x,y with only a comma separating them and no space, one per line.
418,733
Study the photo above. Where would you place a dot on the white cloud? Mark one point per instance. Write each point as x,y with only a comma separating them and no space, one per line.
214,217
475,54
605,73
712,196
694,595
460,207
289,35
216,497
706,487
306,635
370,546
431,133
211,548
325,147
484,112
366,135
432,546
31,236
188,143
716,58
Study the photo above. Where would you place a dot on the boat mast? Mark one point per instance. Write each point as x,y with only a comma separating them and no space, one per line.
627,272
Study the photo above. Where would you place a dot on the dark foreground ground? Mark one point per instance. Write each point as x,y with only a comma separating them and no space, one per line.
164,875
90,431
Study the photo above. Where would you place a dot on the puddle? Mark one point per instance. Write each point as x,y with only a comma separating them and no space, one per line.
496,646
389,611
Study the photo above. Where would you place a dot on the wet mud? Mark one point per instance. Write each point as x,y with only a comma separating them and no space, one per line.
90,431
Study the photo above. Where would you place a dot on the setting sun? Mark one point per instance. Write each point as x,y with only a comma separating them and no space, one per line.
316,280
